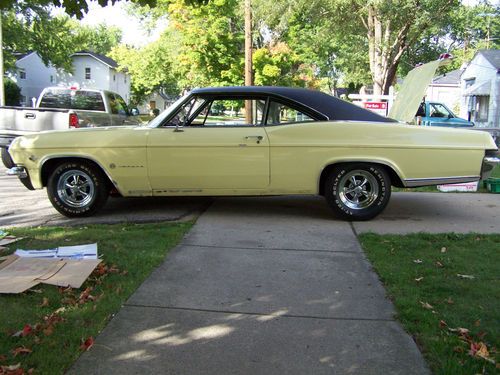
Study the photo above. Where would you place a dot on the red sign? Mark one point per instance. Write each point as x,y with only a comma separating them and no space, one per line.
375,105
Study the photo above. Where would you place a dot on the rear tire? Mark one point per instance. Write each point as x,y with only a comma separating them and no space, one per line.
358,191
6,159
77,189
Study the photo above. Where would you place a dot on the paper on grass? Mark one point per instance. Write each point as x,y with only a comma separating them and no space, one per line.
88,251
50,253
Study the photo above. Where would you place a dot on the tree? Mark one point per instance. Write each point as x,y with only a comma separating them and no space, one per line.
150,67
12,92
389,27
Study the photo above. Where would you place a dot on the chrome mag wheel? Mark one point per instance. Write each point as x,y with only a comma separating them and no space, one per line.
75,188
358,189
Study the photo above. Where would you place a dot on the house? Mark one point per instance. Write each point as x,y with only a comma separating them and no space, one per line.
445,89
156,100
90,70
96,71
32,76
480,89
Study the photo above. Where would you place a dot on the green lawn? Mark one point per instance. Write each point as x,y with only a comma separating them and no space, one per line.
440,283
60,319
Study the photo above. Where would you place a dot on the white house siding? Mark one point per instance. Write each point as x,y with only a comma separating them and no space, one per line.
101,76
480,71
447,94
154,100
38,76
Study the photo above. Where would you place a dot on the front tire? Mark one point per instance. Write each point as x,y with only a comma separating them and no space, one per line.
77,189
6,159
357,191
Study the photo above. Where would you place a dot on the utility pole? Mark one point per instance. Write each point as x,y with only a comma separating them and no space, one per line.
2,91
248,58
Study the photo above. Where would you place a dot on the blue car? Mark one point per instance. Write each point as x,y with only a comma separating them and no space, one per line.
437,114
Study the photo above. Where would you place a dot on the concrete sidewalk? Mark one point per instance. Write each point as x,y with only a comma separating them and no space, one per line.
259,286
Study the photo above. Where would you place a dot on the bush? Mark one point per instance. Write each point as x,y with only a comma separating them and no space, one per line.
12,92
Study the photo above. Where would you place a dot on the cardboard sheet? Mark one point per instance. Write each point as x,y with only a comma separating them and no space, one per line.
21,273
73,273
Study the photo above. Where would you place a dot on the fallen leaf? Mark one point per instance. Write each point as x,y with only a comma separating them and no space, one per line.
477,323
49,330
11,367
2,358
458,349
481,335
439,264
480,350
459,330
21,350
443,249
87,344
418,261
45,302
27,330
31,371
124,273
449,301
426,305
419,279
442,324
470,277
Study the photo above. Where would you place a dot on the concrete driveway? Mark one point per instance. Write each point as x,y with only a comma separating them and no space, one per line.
259,286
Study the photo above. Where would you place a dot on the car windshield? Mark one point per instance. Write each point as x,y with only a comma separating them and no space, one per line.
154,123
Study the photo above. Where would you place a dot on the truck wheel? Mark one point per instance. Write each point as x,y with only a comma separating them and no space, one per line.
6,159
77,189
357,191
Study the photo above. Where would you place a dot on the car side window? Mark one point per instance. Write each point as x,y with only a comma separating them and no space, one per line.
186,111
231,112
117,104
284,114
438,110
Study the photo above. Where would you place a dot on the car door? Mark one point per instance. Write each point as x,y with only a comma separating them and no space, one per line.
210,144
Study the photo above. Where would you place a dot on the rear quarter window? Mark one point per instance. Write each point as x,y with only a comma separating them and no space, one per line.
73,99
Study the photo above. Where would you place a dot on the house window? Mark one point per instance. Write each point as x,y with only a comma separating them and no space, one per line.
114,77
51,79
87,73
22,74
125,79
483,106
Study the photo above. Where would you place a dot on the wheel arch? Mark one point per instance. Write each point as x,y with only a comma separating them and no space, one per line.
50,164
390,169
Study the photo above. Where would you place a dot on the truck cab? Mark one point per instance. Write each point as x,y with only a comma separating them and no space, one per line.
438,114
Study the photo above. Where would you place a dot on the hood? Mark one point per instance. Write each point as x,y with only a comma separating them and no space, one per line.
413,90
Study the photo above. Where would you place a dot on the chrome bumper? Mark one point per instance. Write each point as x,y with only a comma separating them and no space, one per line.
489,163
17,171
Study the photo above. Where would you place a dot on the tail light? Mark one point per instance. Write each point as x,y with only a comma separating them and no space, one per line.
73,120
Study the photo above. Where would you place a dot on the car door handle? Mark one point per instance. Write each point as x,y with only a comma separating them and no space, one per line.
256,137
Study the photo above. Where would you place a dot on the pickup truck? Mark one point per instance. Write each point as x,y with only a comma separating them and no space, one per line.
60,108
437,114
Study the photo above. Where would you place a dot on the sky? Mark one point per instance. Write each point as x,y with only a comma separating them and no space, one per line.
116,15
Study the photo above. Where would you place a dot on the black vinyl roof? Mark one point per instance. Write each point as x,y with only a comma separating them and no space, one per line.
329,106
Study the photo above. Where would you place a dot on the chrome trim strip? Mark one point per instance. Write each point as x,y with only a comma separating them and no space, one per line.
415,182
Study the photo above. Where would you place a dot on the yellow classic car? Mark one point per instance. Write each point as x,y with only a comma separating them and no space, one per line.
255,141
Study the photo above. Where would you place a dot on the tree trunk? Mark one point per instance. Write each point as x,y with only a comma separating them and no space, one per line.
385,50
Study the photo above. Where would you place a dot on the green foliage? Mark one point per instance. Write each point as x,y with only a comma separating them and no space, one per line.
12,92
210,50
150,67
53,38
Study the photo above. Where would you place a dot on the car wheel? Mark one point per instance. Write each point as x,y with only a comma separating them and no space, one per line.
357,191
6,159
77,189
